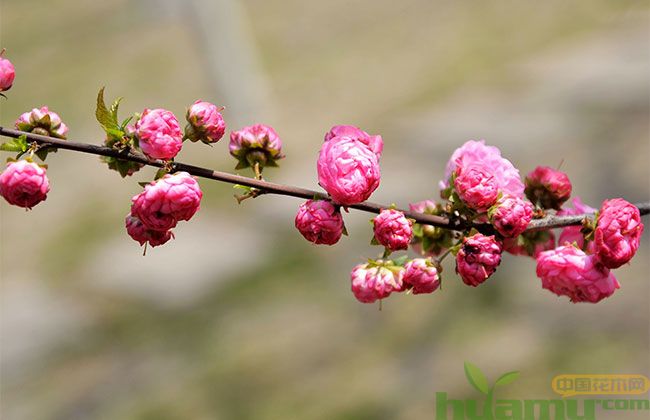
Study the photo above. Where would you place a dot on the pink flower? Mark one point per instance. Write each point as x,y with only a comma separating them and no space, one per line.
348,170
166,201
571,234
141,234
24,184
393,230
478,258
548,187
7,73
205,123
511,215
530,243
422,275
257,143
476,187
42,121
568,271
159,133
476,153
374,143
373,282
319,222
618,232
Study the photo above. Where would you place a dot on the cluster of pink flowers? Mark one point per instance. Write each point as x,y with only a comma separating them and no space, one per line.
162,204
479,186
580,267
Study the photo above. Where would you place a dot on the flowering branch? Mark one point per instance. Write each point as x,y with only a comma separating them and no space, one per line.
266,187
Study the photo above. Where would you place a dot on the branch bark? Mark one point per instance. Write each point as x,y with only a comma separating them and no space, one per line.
548,222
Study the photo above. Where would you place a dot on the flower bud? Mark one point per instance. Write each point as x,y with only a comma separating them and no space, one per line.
568,271
476,187
510,216
348,170
159,134
42,121
166,201
24,184
371,282
257,143
421,274
374,143
393,230
618,232
548,187
139,232
477,153
205,123
478,258
319,222
7,73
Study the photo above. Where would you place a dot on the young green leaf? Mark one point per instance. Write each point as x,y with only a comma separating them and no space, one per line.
507,378
476,378
103,115
14,145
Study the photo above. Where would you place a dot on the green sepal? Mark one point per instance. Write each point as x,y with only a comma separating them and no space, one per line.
418,230
345,231
143,184
160,173
454,249
242,164
374,241
42,153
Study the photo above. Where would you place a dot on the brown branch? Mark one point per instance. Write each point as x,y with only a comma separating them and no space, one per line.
266,187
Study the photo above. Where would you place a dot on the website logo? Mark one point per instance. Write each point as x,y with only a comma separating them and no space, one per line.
565,408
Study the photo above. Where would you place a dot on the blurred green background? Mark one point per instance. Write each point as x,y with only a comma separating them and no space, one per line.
240,317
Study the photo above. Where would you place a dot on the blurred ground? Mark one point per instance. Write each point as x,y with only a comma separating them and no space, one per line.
239,317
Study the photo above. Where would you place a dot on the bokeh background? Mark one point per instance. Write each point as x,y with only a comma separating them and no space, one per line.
240,317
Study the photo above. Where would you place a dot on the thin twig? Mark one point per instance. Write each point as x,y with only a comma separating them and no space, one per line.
549,222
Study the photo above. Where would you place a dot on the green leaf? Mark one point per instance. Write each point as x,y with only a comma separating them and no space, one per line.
125,122
507,378
476,378
245,188
400,260
42,153
105,117
18,144
114,107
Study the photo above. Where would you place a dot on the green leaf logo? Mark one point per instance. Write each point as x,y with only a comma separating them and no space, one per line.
476,378
507,378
